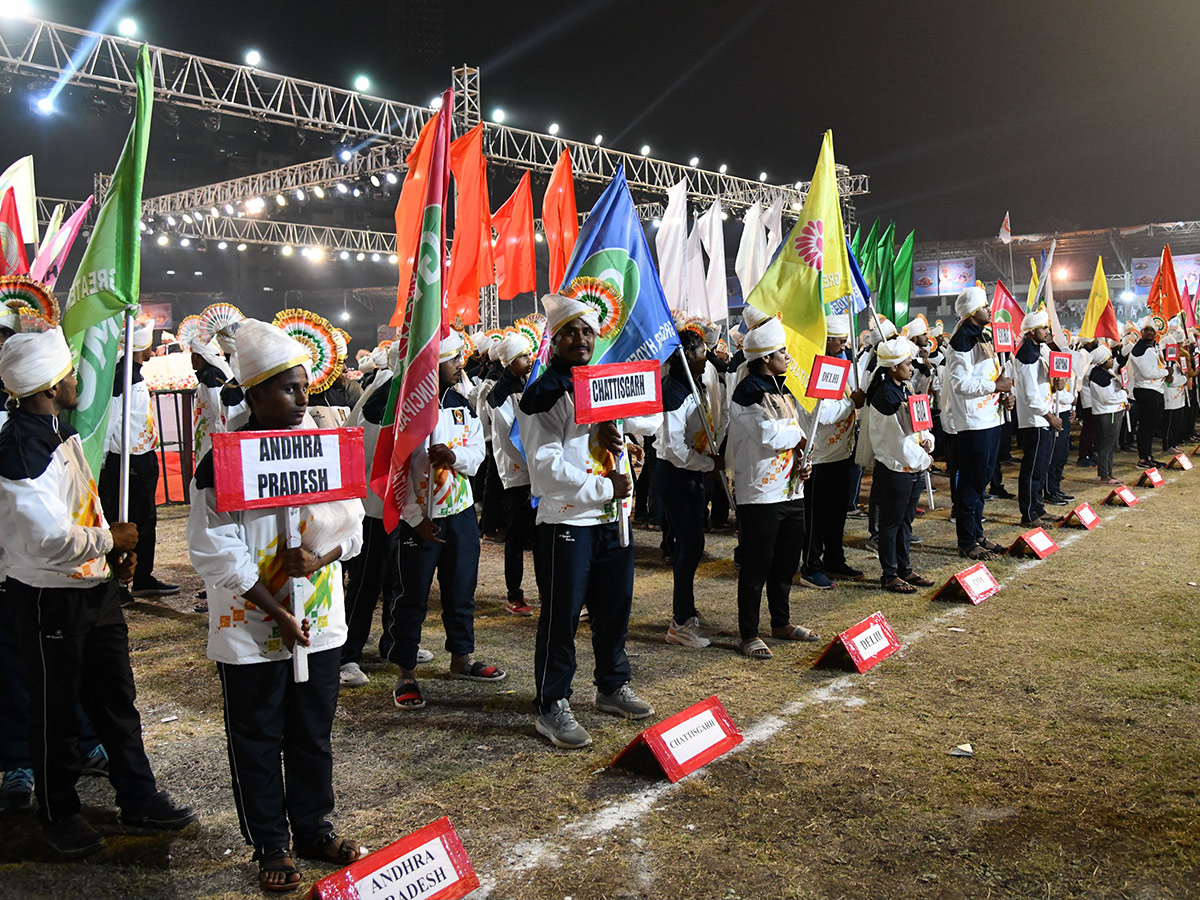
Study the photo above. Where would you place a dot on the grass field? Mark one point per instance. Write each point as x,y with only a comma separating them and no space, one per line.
1078,686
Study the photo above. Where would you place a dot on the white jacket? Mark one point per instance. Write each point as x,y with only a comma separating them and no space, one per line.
1146,369
971,381
1174,389
1107,394
833,435
893,442
459,429
143,430
567,465
1031,386
502,401
764,429
682,440
56,535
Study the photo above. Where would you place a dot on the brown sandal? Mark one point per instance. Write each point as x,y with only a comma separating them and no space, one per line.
991,546
795,633
275,864
918,580
978,553
899,586
334,849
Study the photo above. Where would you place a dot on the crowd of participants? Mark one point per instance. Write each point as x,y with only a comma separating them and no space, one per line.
733,447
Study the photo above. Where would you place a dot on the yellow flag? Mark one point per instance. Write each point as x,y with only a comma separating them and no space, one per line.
810,275
1033,285
1099,320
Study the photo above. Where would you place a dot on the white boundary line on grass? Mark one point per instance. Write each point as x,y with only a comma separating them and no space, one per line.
531,854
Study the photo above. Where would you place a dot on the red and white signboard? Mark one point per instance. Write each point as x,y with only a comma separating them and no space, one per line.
1122,496
1181,461
921,412
289,467
617,390
828,379
862,647
975,584
1034,542
1002,337
1151,477
1083,515
429,864
1060,364
687,741
1171,352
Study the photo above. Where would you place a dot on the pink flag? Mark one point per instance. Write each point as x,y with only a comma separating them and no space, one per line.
55,248
1189,307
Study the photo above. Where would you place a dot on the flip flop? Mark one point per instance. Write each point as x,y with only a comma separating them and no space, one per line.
918,580
333,848
978,553
899,586
990,546
477,671
278,862
755,649
407,695
795,633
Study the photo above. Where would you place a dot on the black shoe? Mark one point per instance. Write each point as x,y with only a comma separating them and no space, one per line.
1067,497
1055,500
155,588
158,812
843,571
73,837
1002,494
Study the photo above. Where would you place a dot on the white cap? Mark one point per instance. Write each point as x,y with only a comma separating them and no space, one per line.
916,327
143,335
895,351
210,352
1101,355
969,301
560,310
514,344
837,326
451,347
752,316
1039,318
264,351
1147,322
888,330
764,340
34,362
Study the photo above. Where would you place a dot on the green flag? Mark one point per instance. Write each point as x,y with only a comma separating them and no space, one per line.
856,240
867,261
885,250
903,275
885,298
107,281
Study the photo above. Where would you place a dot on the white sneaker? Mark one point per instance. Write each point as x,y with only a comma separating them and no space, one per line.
352,675
424,656
687,635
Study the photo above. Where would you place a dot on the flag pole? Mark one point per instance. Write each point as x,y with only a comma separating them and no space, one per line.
127,380
704,421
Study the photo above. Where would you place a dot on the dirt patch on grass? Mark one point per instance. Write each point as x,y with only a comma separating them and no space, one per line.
1078,685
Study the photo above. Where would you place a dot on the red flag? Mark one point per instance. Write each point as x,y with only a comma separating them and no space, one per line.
515,262
1005,308
560,218
1189,309
12,244
409,211
1164,292
471,263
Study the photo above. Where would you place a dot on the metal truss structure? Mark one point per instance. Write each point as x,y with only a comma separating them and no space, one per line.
324,239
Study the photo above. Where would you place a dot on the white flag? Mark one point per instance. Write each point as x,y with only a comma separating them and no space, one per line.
773,219
19,177
752,258
671,244
712,236
1006,229
695,302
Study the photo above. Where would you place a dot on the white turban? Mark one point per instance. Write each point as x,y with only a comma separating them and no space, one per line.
211,354
514,344
34,362
917,327
837,326
10,318
264,351
1101,355
882,331
764,340
969,301
560,310
493,350
379,355
451,347
1147,322
367,364
752,316
936,330
143,335
895,351
1037,319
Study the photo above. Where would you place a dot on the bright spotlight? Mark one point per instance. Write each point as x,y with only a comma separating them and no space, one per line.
436,102
127,28
16,8
724,168
375,182
1127,295
538,237
362,83
171,221
229,209
198,216
185,242
357,192
162,240
241,248
599,138
281,200
319,192
223,245
392,259
345,254
553,128
497,116
287,250
762,176
1063,272
45,105
694,161
300,194
391,178
342,189
360,256
374,257
345,315
658,223
645,149
342,154
215,213
253,57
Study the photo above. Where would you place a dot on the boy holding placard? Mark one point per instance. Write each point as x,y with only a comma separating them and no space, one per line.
1036,420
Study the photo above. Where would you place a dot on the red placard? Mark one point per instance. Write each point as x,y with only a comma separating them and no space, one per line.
429,864
1151,477
1083,515
862,647
1171,352
1060,364
288,467
975,585
685,742
1002,337
1181,461
1122,496
920,411
617,390
1034,542
828,379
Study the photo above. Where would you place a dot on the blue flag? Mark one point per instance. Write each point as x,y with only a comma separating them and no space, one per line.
856,301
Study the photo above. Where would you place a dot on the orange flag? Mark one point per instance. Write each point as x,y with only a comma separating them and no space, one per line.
1164,297
516,271
471,264
560,218
409,211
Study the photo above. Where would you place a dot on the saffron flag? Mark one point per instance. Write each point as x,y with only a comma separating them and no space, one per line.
410,216
1099,319
19,177
12,244
903,274
560,218
1005,307
809,275
1164,297
412,406
516,269
471,264
56,247
1006,230
108,280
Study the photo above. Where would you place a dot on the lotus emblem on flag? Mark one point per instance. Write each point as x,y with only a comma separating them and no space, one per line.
810,244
